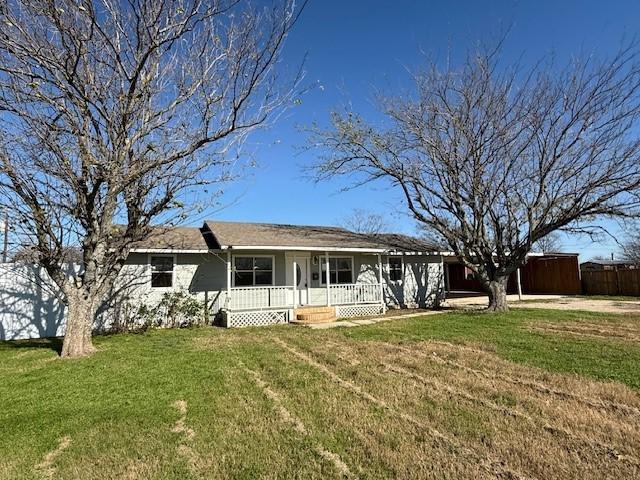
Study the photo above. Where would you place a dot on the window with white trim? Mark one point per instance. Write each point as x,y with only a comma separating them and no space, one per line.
395,269
340,270
252,271
161,271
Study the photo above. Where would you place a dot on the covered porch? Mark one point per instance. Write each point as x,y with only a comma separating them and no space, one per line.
345,283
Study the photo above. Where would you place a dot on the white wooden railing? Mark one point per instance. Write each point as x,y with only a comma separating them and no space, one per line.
254,298
355,293
248,298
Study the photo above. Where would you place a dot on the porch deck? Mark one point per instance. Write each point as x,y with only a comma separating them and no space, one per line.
260,298
247,306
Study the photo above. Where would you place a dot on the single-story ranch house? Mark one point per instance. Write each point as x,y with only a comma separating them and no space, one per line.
259,273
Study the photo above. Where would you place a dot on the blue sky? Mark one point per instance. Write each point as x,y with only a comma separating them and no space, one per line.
355,46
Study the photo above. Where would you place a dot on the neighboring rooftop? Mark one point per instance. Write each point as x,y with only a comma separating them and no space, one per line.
608,262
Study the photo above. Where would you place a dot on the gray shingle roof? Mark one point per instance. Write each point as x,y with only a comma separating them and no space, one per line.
176,238
241,234
406,243
218,234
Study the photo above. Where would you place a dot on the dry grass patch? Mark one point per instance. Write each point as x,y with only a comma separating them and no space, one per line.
491,465
288,418
47,467
539,424
628,332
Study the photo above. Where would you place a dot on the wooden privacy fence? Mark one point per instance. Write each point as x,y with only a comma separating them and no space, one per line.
612,282
556,274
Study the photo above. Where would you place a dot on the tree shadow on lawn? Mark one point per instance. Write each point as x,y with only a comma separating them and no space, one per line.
52,343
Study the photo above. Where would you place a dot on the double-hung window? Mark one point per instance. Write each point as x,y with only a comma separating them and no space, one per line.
252,271
161,271
395,269
340,270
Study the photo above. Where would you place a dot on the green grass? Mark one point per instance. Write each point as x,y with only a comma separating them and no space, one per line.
116,406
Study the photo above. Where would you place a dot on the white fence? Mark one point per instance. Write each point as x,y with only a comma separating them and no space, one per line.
29,303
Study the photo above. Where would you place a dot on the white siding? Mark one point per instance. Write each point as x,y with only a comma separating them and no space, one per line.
29,306
422,283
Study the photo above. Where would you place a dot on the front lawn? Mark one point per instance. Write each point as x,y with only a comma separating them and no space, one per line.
532,393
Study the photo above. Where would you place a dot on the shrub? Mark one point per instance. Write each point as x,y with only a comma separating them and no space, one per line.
175,310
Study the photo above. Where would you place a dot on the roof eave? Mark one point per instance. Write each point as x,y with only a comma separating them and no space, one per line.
303,249
169,250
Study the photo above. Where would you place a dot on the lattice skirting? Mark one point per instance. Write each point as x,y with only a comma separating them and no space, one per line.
345,311
256,318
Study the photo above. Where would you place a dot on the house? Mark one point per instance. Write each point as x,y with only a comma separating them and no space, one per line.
598,265
260,273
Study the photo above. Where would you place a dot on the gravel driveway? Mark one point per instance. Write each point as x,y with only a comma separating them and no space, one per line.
556,302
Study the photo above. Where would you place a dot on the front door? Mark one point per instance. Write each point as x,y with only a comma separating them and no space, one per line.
302,279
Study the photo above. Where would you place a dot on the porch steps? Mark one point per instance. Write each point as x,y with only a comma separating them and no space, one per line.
311,315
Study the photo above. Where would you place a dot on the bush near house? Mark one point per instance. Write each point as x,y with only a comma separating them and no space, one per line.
176,309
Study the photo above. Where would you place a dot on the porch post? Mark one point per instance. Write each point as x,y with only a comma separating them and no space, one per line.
519,284
228,300
295,282
327,278
384,306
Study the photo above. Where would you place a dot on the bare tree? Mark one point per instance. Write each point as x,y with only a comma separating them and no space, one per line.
114,114
364,221
495,159
631,244
549,243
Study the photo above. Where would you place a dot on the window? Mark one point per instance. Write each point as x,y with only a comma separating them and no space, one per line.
340,270
395,269
161,271
252,271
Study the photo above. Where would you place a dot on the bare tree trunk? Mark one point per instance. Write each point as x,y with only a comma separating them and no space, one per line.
82,307
497,290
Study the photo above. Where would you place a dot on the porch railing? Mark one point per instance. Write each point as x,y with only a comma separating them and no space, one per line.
248,298
355,293
255,298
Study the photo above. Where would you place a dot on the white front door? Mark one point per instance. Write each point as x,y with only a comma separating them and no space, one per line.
302,279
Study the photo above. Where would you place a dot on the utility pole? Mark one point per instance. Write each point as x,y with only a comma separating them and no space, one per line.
5,242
